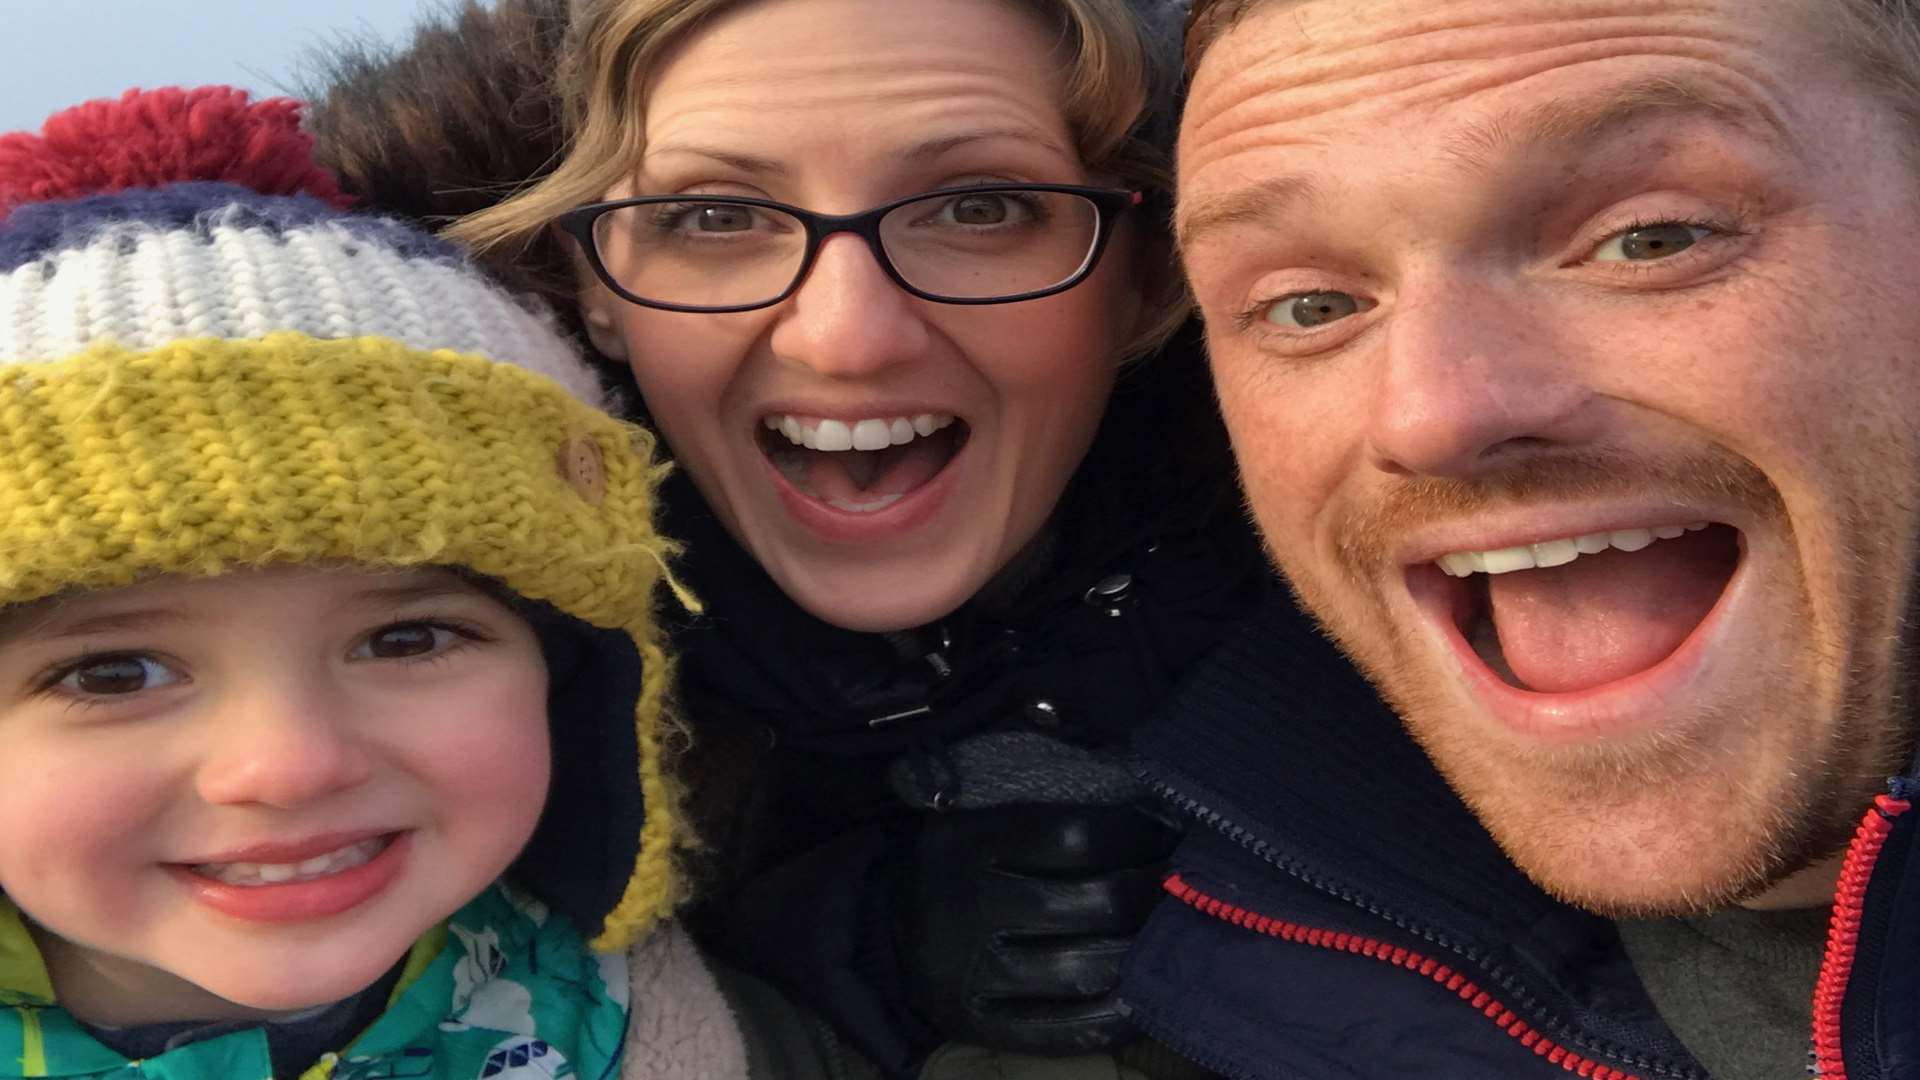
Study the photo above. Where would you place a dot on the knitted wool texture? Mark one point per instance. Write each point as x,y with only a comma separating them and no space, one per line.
196,378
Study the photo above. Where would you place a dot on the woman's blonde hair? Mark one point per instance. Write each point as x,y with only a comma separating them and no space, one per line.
1119,101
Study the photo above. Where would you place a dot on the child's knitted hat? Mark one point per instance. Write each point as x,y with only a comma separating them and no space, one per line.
207,363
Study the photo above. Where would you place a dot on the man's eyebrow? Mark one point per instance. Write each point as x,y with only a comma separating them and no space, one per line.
1564,124
1265,198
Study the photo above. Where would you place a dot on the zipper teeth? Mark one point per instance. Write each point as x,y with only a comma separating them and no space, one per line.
1200,812
1372,948
1843,933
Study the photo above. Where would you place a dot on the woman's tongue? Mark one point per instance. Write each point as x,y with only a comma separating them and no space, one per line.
866,480
1603,617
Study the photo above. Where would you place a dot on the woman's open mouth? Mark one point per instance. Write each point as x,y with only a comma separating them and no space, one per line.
861,466
1578,613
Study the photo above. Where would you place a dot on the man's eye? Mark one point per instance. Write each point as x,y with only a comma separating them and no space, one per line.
403,640
1649,242
1304,311
121,674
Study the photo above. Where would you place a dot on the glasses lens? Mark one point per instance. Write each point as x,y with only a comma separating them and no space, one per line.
987,244
698,253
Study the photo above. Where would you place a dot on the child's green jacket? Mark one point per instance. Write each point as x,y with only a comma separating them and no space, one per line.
502,991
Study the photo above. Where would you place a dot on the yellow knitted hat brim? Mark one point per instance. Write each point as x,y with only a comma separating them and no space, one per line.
204,456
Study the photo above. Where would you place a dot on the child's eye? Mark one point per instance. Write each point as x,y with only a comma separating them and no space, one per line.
403,640
120,673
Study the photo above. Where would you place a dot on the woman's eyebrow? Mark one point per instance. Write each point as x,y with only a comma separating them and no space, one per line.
933,148
920,151
733,159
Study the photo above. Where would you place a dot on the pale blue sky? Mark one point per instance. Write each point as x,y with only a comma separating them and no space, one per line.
56,53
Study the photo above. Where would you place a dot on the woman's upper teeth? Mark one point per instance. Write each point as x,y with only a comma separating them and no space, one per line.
1557,552
876,434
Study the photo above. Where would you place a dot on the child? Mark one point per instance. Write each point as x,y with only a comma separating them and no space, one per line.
330,695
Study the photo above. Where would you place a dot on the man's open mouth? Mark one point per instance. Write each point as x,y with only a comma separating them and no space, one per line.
861,466
1578,612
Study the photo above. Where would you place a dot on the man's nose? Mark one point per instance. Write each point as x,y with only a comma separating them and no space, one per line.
849,319
284,750
1474,378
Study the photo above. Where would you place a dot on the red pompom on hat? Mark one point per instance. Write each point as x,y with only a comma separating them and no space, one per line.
151,138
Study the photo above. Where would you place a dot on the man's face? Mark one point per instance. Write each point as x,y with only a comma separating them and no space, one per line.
1569,350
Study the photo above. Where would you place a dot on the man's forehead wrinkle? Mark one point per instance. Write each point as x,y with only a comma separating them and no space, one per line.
1318,66
1570,123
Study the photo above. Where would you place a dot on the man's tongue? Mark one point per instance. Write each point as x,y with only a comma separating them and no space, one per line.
860,477
1607,616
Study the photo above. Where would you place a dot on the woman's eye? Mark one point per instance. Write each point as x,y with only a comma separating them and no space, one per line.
723,219
1648,242
120,674
1304,311
402,640
979,210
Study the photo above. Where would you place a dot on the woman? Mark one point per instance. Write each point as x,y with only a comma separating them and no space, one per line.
882,273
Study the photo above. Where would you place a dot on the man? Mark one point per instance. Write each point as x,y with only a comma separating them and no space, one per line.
1569,353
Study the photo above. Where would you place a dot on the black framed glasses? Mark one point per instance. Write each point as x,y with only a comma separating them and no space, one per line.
981,244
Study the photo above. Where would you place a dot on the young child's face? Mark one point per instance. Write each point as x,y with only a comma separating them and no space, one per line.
263,786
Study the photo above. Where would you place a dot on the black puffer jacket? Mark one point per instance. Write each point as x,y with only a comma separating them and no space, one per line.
821,751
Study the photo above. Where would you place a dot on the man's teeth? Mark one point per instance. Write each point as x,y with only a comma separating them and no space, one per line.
1557,552
250,873
835,435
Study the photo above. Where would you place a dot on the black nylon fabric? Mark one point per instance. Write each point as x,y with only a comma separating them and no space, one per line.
1310,803
1152,515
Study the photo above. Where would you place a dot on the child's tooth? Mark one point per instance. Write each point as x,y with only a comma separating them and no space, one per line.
810,438
832,435
925,424
319,864
1457,564
871,435
1630,539
1668,532
1592,543
772,422
942,422
901,431
791,429
274,873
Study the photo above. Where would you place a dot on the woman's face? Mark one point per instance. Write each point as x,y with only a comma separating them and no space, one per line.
837,106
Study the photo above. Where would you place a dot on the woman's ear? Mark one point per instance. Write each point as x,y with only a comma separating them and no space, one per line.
597,307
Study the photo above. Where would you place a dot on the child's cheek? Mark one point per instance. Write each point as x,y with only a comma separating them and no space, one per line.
80,820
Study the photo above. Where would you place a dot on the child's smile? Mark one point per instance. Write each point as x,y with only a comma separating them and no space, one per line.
265,785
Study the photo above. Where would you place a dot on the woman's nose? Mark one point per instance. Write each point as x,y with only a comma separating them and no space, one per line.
849,319
283,751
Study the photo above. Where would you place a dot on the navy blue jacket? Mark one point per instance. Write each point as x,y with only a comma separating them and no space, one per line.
1336,913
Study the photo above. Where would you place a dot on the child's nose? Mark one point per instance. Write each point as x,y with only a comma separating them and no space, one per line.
282,752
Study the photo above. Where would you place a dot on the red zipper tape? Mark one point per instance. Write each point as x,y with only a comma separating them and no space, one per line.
1372,948
1843,933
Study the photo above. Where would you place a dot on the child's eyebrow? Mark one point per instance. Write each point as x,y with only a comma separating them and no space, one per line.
414,592
49,626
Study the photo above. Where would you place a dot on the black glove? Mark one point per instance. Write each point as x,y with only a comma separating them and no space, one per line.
1016,919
